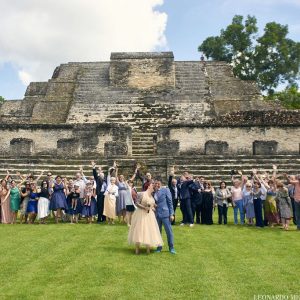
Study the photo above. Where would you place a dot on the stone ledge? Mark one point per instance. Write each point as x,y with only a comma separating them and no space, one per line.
87,126
141,55
277,118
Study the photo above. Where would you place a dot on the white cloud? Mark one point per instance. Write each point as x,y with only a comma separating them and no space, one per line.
24,77
36,36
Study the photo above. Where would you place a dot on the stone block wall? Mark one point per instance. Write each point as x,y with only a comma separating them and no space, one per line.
232,140
143,70
63,140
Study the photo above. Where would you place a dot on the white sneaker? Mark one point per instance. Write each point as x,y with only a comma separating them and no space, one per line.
181,224
191,225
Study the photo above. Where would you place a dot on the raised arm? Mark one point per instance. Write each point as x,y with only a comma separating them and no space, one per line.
95,174
117,177
134,174
82,175
274,173
262,182
291,181
39,177
7,175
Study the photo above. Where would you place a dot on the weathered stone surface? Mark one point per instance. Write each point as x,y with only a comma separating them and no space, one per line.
36,89
68,147
142,71
168,147
240,139
115,149
216,148
265,147
21,146
52,139
196,102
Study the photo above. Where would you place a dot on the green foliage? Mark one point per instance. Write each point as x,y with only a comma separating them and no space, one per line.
1,99
270,59
84,261
289,98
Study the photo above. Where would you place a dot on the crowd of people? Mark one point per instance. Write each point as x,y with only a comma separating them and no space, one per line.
260,198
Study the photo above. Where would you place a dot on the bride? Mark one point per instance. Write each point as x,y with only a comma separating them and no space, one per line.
144,229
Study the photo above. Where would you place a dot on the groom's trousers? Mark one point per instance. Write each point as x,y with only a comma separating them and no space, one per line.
168,228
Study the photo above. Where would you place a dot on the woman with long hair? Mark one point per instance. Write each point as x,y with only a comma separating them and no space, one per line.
221,199
6,216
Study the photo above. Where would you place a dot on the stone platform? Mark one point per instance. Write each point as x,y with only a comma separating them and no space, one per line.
212,167
146,106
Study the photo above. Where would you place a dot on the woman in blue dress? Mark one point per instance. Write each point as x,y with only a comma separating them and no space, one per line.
32,207
58,198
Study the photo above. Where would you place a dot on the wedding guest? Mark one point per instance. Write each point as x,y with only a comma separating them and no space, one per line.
296,183
173,187
208,203
80,180
89,209
100,189
73,201
144,230
32,207
248,202
123,189
258,193
270,207
237,201
146,180
196,199
130,202
222,196
110,194
58,198
284,204
25,192
6,216
15,199
43,203
291,190
183,184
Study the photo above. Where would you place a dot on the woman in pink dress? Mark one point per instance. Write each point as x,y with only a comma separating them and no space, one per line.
6,215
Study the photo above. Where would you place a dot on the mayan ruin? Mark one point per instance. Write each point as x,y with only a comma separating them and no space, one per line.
148,108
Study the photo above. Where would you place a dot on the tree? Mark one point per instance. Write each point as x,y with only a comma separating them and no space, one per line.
1,99
271,59
289,98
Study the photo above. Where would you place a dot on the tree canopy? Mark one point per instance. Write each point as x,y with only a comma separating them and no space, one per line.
1,99
269,59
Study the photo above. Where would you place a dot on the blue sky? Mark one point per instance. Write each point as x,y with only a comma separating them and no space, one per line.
178,26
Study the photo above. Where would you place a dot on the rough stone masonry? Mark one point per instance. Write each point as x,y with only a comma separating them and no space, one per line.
145,105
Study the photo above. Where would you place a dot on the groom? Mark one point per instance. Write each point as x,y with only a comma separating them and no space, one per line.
164,213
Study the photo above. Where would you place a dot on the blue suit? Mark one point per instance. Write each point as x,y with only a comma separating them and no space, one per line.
164,211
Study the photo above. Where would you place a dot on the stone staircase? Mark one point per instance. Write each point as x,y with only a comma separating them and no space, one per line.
216,168
213,168
191,78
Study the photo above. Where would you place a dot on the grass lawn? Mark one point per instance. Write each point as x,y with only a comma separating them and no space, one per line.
94,262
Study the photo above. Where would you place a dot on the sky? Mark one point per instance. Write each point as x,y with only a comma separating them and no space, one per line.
36,36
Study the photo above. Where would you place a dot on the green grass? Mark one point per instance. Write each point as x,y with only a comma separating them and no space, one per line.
94,262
